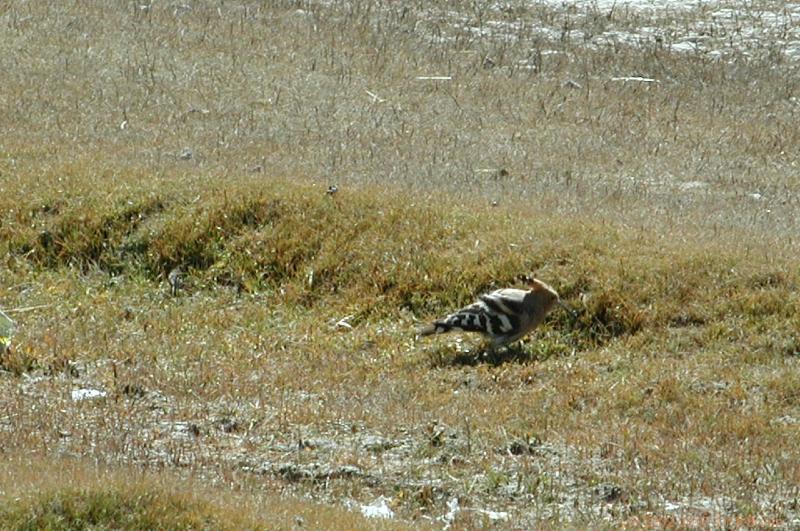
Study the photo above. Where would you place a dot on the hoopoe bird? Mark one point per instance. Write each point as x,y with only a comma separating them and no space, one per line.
503,316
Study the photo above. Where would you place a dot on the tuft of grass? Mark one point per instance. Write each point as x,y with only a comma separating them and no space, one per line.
91,235
17,361
131,508
71,494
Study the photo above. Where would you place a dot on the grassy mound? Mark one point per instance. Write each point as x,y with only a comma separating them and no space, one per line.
131,508
67,495
364,249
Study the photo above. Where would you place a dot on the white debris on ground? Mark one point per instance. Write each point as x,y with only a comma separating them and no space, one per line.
693,185
452,511
720,505
494,516
638,5
709,28
87,394
453,508
377,509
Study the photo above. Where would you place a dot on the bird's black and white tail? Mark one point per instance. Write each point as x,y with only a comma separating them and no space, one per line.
480,317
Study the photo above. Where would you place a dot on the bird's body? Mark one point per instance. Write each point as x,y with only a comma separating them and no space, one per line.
503,316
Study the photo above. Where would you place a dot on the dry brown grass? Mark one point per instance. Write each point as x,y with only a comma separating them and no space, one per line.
670,400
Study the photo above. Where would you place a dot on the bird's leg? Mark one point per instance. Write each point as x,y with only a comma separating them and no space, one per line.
488,349
520,345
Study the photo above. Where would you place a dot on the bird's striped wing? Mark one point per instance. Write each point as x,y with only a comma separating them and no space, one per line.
505,309
508,301
496,315
467,319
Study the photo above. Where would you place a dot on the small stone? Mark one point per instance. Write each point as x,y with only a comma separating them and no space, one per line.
228,425
608,493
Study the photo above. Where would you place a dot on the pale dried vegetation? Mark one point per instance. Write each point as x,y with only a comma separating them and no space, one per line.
470,148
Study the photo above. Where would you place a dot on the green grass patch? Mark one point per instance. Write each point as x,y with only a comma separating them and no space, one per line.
129,508
68,494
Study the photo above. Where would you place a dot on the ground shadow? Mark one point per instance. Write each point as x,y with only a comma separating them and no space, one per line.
482,355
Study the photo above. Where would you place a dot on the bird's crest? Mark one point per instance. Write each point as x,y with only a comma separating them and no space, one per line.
538,285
